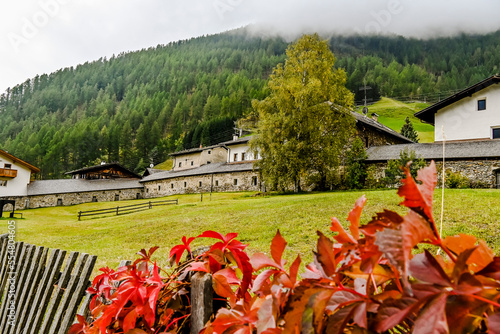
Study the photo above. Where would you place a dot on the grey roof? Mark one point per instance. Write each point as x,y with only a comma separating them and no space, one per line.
429,151
102,166
194,150
240,140
47,187
378,126
214,168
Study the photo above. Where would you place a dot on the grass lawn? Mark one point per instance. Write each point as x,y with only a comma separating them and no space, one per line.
256,219
393,113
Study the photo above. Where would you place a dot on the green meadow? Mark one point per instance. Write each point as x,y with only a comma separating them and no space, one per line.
255,218
393,113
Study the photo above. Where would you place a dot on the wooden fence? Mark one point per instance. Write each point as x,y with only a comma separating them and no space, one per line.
36,297
120,210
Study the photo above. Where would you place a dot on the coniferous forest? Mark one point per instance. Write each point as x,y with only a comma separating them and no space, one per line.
136,107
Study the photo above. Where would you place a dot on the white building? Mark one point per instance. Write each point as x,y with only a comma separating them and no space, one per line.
15,175
239,150
471,114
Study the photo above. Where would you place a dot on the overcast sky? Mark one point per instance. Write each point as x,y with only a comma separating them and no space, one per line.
42,36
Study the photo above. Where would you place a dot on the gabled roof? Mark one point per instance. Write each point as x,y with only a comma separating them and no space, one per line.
240,140
19,161
483,149
61,186
100,167
194,150
214,168
427,115
378,126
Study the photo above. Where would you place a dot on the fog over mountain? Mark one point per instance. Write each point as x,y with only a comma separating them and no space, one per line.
41,36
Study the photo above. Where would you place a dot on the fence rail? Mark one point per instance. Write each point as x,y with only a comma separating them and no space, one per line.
120,210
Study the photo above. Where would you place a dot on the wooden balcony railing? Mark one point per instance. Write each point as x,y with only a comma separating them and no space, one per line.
7,172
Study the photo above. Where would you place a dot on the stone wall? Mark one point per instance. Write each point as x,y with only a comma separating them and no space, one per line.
237,181
42,201
480,172
372,137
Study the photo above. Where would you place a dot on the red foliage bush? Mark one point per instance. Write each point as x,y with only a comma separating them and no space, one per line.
364,281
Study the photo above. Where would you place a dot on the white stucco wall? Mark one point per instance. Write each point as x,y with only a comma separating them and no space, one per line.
17,186
200,158
462,121
239,149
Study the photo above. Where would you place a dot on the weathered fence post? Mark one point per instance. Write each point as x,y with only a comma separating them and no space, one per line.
201,301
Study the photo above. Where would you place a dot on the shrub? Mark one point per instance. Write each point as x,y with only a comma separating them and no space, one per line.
356,166
394,171
456,180
367,280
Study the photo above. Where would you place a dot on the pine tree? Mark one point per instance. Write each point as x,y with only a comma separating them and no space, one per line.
408,131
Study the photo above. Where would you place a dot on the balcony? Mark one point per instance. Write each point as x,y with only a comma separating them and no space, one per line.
7,172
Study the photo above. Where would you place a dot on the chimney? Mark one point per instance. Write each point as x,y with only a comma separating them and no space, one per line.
235,137
375,116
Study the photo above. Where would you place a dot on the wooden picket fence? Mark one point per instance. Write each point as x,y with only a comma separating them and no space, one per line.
36,296
120,210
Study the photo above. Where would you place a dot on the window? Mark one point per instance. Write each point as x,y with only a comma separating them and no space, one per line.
185,184
94,198
216,183
8,166
137,195
117,197
243,156
171,186
495,133
147,190
481,104
200,183
159,188
254,180
192,163
209,152
180,164
59,201
235,182
3,183
235,157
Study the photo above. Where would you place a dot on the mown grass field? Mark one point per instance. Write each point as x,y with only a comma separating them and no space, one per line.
393,113
256,219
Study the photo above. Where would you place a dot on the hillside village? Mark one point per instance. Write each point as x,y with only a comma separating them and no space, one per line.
468,119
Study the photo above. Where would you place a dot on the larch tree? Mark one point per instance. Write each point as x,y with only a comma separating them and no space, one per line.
305,123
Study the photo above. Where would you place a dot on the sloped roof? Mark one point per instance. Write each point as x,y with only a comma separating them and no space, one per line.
194,150
240,140
434,151
214,168
61,186
19,161
378,126
102,166
427,115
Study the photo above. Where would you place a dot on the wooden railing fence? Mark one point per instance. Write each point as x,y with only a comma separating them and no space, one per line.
36,296
120,210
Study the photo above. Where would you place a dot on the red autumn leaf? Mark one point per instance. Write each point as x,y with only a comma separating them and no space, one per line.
419,196
479,259
262,278
337,322
425,268
177,251
80,327
432,318
386,219
278,245
222,287
492,270
296,307
355,215
130,320
198,266
494,323
266,315
393,311
343,237
261,260
136,331
325,255
294,269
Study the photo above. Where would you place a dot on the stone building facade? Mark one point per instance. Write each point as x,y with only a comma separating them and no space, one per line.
479,161
221,177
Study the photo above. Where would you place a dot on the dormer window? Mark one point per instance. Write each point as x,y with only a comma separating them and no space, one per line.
481,104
